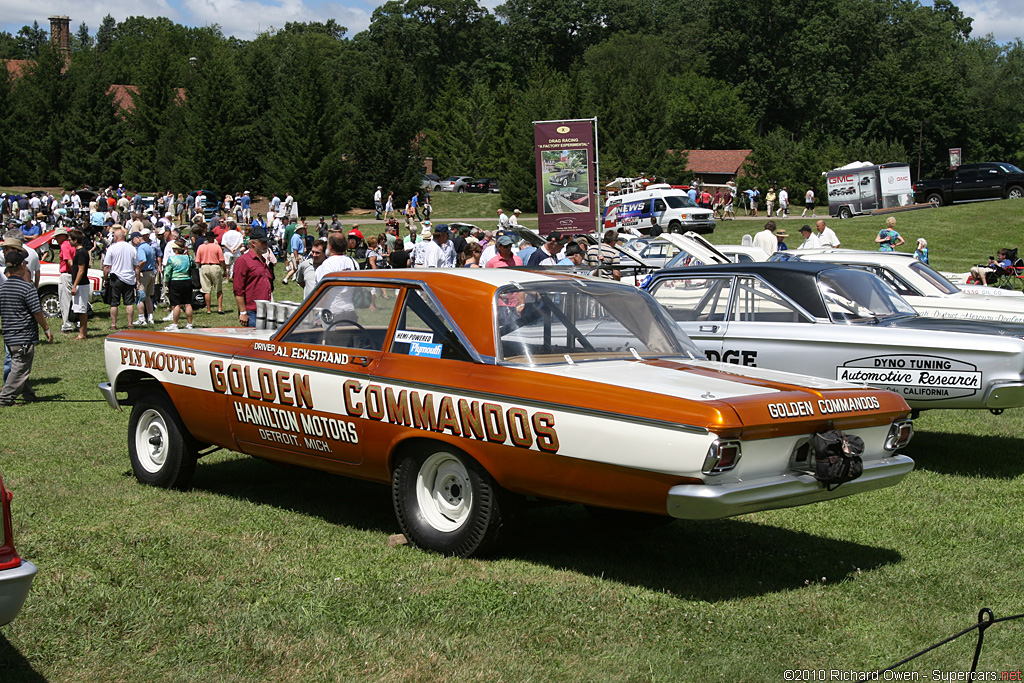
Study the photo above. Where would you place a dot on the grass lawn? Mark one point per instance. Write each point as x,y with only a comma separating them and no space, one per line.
269,573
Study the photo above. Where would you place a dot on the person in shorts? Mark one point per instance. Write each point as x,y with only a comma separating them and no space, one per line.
121,270
212,269
179,284
81,287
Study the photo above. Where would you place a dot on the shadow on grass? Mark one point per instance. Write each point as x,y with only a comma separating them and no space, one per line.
994,457
14,665
709,561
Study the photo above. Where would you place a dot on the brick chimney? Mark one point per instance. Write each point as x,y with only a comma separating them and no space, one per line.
60,34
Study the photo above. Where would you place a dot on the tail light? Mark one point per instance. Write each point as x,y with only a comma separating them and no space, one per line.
900,434
722,456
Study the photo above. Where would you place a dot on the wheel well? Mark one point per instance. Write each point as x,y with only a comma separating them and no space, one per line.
135,383
419,444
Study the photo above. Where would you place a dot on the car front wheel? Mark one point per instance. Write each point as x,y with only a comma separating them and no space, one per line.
49,300
446,502
1015,193
160,451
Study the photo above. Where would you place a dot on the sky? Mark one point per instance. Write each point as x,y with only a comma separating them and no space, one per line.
245,19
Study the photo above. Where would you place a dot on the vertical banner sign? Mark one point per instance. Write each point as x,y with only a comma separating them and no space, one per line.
954,158
566,159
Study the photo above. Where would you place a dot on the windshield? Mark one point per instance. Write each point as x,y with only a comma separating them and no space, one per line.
676,201
934,279
1010,168
556,322
856,296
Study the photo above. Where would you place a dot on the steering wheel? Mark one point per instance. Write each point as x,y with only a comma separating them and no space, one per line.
361,332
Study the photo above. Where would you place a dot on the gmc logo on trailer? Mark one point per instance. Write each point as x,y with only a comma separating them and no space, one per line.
837,179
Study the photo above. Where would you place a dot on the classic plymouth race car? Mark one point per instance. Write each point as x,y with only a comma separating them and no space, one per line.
931,294
471,390
844,323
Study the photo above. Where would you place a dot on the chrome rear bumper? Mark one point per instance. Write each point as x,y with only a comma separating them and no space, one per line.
715,501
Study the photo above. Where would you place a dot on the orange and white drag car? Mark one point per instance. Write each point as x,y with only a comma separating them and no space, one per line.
471,391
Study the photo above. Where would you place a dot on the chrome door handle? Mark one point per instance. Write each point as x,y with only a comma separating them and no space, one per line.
709,328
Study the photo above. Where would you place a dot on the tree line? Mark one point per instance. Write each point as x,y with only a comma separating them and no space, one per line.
807,84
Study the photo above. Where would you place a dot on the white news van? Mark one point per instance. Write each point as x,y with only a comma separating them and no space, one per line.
674,209
862,187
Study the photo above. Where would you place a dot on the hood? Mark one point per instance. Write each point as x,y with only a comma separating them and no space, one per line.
986,327
695,245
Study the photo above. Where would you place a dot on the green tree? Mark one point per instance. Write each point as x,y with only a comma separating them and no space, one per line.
37,108
90,131
81,40
30,39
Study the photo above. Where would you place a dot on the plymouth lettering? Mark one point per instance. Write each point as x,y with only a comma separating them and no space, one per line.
158,360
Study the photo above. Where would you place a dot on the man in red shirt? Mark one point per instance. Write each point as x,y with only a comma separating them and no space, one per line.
252,278
505,257
67,255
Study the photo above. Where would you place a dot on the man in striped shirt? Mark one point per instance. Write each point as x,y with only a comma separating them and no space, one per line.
21,316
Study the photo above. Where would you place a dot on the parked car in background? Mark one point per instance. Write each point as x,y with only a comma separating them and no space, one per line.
431,182
971,182
49,275
16,574
456,183
931,295
483,185
471,392
844,324
211,202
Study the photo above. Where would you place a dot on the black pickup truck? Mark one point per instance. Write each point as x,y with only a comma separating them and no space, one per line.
971,182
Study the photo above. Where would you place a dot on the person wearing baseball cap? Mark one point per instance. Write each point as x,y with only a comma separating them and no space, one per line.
252,277
514,218
22,317
438,252
504,258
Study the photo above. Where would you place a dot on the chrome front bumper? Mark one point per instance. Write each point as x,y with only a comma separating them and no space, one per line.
715,501
109,394
14,586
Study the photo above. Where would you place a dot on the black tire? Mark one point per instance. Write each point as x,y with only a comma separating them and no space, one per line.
446,502
565,182
675,226
161,450
935,198
844,213
1015,192
462,190
49,300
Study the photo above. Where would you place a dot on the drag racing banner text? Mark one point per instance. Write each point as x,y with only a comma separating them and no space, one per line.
565,153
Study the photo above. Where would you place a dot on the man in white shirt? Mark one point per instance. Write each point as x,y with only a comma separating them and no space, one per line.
766,239
438,252
502,220
827,238
121,271
810,239
231,243
338,260
514,218
418,258
377,205
783,204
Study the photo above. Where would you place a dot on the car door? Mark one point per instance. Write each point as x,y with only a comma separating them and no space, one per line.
767,329
965,184
990,182
700,306
294,404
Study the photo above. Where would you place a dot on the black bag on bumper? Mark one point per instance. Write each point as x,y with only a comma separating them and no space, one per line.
837,458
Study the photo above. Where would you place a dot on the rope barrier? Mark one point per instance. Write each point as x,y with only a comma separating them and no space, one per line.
986,618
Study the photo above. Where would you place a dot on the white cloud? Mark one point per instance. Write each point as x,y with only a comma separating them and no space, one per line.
245,19
1002,18
17,14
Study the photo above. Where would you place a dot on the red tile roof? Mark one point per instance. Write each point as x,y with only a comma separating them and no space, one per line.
716,160
123,96
16,68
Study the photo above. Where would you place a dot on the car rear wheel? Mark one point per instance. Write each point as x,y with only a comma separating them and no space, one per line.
935,199
461,190
49,300
446,502
160,451
845,213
